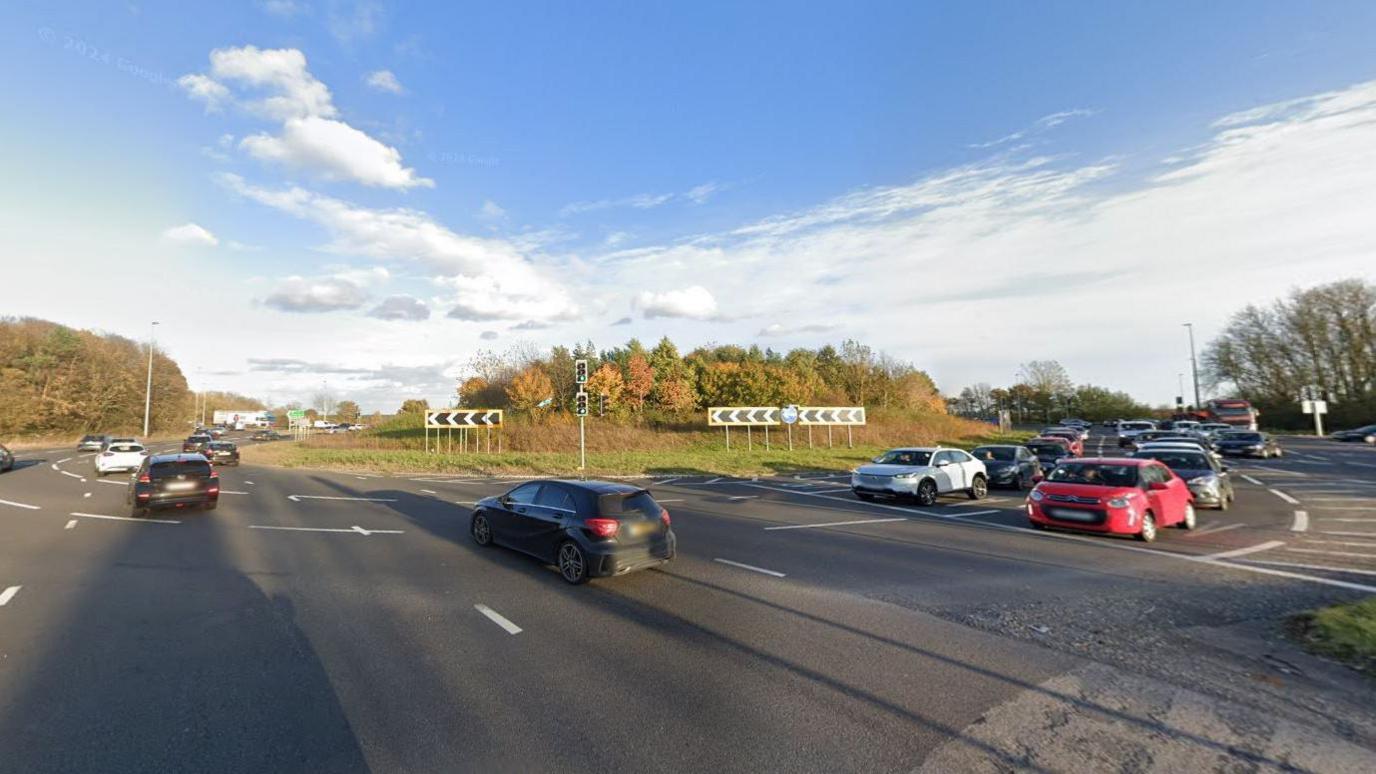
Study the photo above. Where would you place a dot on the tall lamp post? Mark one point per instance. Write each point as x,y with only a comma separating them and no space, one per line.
1194,366
148,390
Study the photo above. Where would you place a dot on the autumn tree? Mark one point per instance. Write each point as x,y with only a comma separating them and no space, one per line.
529,389
347,411
414,406
640,380
606,380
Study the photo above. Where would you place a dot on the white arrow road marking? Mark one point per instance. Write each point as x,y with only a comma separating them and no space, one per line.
751,567
19,505
1251,480
8,594
1267,546
55,467
498,619
299,498
69,473
64,459
351,530
70,524
124,518
1301,522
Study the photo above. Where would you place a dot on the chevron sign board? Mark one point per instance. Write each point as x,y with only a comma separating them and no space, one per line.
742,416
831,415
463,418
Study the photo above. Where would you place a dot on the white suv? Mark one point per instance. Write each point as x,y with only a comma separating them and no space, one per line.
125,456
921,474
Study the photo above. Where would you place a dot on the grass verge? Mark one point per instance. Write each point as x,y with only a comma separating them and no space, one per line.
1344,632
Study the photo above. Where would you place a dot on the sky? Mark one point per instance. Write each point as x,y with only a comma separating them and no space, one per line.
361,195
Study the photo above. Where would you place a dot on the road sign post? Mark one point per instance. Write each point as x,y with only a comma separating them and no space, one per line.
1318,408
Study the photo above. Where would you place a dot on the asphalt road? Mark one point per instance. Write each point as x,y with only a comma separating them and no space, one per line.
326,621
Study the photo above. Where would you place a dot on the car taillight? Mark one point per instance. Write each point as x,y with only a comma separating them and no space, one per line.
664,516
144,479
603,528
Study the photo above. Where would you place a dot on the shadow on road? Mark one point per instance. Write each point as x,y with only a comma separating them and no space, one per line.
157,653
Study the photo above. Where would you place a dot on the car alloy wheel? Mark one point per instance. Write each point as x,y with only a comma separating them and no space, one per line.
1191,518
979,488
926,492
482,530
1148,533
572,566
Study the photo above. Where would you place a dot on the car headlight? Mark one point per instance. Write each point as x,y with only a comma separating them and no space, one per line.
1256,447
905,476
1207,481
1037,495
1119,502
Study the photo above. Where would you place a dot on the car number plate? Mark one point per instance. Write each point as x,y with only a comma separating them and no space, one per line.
1069,514
642,529
180,486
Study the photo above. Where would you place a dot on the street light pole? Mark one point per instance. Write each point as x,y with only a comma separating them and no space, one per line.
1194,366
148,390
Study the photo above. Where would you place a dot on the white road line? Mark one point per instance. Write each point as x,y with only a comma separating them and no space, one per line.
8,594
19,505
1312,566
250,483
1284,496
1301,522
351,530
1332,553
64,459
1344,499
69,473
1267,546
836,523
667,481
736,498
1356,543
1349,534
88,494
428,491
56,467
1251,480
70,524
1213,530
112,483
968,514
713,481
1349,521
830,491
1361,464
498,619
123,518
299,498
677,500
1361,508
751,567
474,502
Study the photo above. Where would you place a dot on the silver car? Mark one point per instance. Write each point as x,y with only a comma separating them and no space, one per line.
921,474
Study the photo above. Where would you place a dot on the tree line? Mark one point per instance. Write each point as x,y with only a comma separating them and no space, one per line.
55,379
1313,343
634,381
1046,393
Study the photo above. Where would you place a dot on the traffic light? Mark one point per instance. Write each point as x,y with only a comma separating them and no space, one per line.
580,371
580,404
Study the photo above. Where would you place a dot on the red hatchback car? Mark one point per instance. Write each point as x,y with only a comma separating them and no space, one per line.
1118,496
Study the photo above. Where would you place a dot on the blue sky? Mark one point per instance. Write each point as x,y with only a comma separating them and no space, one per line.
930,178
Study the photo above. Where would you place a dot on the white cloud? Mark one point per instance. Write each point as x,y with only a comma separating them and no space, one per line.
488,335
282,8
279,86
384,80
701,193
617,238
1042,124
356,20
644,201
777,329
694,303
190,234
401,308
335,151
344,290
486,279
491,212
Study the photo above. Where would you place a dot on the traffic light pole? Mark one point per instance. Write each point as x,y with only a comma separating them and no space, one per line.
582,448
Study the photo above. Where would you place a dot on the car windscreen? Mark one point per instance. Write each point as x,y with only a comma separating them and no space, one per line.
180,468
1245,437
994,454
126,447
1136,426
1094,474
1177,460
915,458
628,505
198,439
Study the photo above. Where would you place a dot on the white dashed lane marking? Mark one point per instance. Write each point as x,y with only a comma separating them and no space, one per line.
19,505
8,594
751,567
498,619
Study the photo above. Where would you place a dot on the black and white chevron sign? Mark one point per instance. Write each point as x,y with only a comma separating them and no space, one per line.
463,418
831,415
742,416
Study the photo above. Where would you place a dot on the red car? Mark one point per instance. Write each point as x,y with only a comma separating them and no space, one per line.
1077,446
1118,496
1073,447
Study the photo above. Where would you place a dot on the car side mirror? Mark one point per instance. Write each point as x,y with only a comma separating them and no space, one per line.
942,464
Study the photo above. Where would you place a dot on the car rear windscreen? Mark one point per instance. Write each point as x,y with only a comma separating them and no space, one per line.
1246,437
126,447
628,505
994,454
1046,449
1177,460
181,468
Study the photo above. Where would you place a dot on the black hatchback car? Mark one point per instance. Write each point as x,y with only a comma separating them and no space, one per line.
173,481
1248,444
587,529
222,453
1011,466
1366,434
